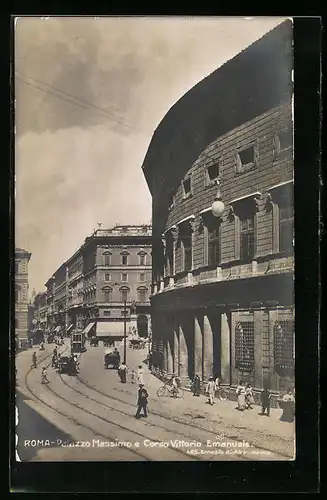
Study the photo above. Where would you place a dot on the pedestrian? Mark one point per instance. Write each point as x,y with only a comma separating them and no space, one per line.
288,406
249,398
240,391
196,385
54,361
133,377
210,391
142,402
122,371
55,352
140,375
265,401
34,359
44,377
174,386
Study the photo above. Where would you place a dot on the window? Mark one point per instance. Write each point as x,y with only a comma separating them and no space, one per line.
107,295
212,173
247,238
107,277
124,294
16,295
285,227
107,259
16,267
284,349
106,313
246,159
142,277
186,239
142,259
244,346
169,256
214,244
283,140
186,183
142,295
124,277
124,258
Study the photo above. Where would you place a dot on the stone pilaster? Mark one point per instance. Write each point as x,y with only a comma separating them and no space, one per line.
207,349
225,348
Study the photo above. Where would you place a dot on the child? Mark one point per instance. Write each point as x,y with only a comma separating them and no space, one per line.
240,391
265,401
249,399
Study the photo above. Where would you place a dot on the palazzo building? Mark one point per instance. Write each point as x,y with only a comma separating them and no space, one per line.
220,171
104,287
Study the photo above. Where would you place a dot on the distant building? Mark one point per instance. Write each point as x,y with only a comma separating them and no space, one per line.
117,267
40,309
22,258
223,268
106,279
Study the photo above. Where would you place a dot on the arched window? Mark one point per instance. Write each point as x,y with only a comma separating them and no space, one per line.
141,294
107,294
124,293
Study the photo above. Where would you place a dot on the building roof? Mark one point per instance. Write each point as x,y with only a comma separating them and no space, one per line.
257,79
22,251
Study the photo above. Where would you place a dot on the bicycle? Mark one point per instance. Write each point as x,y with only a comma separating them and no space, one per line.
166,390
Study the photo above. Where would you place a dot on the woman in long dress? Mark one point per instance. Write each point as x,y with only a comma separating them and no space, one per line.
240,391
288,406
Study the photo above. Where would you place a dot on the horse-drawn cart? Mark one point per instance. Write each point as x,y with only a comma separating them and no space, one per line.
111,358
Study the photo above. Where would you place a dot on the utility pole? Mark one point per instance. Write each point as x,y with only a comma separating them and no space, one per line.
125,331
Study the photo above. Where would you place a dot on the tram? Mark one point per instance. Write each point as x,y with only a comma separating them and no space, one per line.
77,342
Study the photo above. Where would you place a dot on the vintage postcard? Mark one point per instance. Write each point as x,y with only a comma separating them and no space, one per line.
154,264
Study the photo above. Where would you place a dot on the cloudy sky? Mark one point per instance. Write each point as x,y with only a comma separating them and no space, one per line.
89,94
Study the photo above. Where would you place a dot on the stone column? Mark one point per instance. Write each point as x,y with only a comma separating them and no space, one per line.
183,354
207,349
225,348
198,347
175,348
170,367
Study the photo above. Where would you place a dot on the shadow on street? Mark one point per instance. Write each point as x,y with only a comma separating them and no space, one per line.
32,426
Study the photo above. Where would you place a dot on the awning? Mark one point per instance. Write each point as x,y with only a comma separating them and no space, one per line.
111,329
88,327
69,328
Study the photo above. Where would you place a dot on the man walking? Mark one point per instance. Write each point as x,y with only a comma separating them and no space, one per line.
142,402
210,391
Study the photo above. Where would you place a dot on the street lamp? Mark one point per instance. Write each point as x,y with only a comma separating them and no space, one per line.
218,207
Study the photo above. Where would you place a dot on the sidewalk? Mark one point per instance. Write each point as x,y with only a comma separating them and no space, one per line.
225,411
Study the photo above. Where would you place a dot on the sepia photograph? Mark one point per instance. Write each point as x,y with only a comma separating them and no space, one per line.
154,239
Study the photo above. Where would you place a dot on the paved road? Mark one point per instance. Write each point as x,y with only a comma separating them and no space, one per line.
97,412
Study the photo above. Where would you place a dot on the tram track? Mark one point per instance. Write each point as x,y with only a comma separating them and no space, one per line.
115,424
106,420
159,414
128,414
69,417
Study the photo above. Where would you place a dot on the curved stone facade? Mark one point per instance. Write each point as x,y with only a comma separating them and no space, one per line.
222,297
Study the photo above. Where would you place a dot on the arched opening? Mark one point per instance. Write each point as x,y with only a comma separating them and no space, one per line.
142,325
